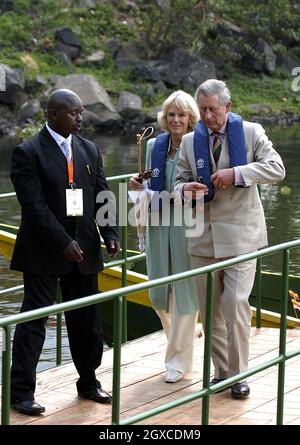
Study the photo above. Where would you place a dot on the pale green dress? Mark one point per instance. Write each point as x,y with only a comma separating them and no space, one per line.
166,249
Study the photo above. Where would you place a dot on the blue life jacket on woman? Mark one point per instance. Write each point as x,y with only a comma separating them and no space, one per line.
158,161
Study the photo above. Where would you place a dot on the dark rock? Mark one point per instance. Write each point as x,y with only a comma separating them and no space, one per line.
176,68
6,5
8,120
2,78
160,87
113,47
295,53
40,80
260,108
65,59
127,55
14,86
66,36
129,105
130,50
123,62
287,62
94,98
72,52
261,60
283,120
290,40
148,117
197,73
90,119
146,71
30,109
68,42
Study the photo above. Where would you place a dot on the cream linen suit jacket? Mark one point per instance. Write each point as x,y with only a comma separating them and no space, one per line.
234,221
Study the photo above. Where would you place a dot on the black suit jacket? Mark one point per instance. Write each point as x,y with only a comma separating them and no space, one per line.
40,177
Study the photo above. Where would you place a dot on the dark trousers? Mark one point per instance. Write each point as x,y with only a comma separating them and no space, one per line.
83,326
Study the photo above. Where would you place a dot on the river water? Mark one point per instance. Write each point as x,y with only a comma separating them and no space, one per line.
281,203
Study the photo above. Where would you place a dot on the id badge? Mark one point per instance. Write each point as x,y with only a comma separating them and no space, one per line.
74,200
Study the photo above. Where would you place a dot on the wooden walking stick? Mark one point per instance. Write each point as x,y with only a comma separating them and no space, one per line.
139,138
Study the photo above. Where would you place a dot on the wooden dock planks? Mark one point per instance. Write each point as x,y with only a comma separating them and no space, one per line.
143,387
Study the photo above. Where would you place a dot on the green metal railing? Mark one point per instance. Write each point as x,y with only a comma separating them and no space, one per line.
119,296
123,262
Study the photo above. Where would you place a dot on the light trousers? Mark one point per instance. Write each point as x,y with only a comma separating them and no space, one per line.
180,332
232,314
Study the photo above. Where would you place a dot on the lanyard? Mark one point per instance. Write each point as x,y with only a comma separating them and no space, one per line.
71,173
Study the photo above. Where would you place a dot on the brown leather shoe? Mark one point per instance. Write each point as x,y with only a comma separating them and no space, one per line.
240,390
28,407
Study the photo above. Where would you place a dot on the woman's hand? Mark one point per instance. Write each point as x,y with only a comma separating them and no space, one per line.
135,184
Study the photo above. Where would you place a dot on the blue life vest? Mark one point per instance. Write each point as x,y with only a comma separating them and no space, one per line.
236,145
158,162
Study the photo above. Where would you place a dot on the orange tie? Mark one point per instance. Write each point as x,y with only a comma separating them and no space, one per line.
67,151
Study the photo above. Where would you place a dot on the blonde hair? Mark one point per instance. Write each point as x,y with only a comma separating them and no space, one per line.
184,102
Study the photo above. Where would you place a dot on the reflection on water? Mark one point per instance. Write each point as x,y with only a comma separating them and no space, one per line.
119,156
283,210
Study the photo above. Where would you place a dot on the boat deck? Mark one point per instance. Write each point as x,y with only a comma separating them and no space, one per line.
143,388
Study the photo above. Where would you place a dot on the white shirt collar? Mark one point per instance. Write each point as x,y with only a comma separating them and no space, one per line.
59,139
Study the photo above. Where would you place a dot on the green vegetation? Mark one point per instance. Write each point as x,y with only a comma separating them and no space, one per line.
28,29
274,94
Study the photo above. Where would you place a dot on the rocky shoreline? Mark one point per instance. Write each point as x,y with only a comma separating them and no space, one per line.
22,101
15,121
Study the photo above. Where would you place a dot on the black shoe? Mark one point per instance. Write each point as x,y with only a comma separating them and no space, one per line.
29,407
214,381
240,390
96,394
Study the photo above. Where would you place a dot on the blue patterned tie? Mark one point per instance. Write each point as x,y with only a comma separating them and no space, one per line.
67,150
217,146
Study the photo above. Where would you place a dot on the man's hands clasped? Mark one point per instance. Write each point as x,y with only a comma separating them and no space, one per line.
223,177
220,179
196,190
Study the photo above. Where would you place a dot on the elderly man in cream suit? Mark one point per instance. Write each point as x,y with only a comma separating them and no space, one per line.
234,221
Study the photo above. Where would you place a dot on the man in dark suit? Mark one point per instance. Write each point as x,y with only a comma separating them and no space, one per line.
57,176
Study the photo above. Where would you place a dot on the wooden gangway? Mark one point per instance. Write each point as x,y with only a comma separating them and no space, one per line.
143,388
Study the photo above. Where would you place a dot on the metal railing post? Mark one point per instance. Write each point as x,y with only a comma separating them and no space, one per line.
258,274
258,293
118,311
6,354
123,219
58,328
282,340
210,296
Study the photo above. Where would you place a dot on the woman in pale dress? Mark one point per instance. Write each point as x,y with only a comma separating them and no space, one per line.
166,245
